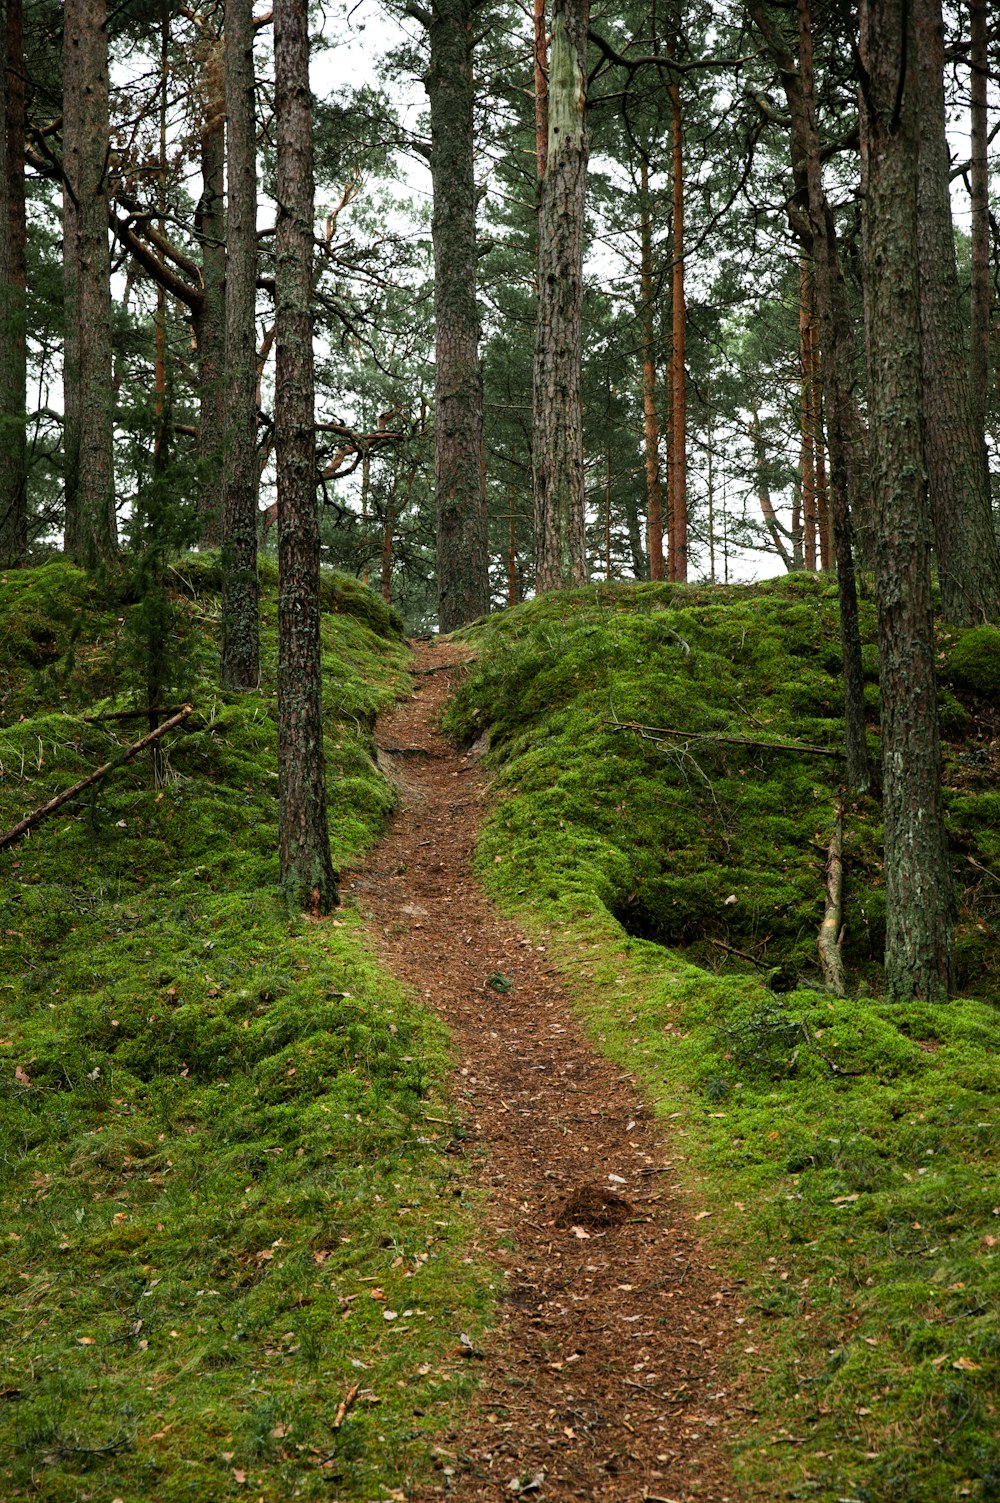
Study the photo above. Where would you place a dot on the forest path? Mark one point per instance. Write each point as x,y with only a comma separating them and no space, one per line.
602,1378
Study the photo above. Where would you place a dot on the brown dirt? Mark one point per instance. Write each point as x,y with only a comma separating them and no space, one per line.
603,1378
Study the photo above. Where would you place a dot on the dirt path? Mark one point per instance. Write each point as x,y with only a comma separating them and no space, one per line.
602,1378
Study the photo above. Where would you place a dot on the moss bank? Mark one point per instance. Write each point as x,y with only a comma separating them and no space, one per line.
222,1199
845,1150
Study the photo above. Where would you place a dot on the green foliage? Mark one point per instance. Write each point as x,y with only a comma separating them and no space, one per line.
846,1150
213,1132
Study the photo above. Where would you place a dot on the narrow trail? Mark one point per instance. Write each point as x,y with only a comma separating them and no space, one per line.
603,1377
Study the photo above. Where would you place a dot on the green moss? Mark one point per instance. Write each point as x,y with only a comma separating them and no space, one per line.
846,1149
973,662
213,1115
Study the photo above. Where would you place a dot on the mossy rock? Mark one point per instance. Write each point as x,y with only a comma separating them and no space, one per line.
973,662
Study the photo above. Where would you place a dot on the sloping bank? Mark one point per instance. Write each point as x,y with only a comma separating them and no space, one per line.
224,1265
844,1150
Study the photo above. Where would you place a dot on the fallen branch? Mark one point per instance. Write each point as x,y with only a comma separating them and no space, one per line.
652,732
31,820
831,929
345,1405
764,965
132,714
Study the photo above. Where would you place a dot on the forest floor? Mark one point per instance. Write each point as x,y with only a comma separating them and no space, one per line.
605,1374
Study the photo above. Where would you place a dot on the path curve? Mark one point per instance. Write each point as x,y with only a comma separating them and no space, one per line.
603,1377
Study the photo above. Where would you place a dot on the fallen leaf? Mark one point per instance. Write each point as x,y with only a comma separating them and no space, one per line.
239,1475
578,1231
280,1431
702,1214
390,1314
966,1365
86,1340
22,1076
378,1294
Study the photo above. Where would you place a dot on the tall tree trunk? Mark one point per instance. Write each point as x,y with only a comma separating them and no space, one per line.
462,551
968,558
13,281
557,443
541,50
918,899
764,490
807,452
651,422
849,490
92,530
307,875
240,667
210,324
979,195
678,532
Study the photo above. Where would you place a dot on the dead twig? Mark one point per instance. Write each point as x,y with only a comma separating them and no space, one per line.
344,1405
743,954
29,822
653,732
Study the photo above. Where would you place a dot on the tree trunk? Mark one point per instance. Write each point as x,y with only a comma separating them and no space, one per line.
240,612
91,529
541,89
968,558
307,875
678,532
462,551
764,491
848,478
13,281
651,422
807,453
210,324
557,443
979,195
918,903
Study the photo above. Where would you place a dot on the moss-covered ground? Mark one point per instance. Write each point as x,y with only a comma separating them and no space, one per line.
844,1151
224,1265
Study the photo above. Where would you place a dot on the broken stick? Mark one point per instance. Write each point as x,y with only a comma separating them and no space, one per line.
29,822
831,929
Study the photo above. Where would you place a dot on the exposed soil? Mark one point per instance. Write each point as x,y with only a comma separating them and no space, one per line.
603,1378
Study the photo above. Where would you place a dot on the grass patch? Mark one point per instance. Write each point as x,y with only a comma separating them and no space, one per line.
225,1208
847,1149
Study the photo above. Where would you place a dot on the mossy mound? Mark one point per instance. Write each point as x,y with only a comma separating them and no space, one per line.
973,662
842,1151
674,751
212,1113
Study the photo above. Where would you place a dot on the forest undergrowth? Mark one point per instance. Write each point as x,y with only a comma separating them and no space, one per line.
225,1269
844,1151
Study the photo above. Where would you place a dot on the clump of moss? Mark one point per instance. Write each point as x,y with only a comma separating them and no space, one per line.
973,662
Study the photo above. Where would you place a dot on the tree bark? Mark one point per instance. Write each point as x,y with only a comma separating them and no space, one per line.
651,422
678,528
91,528
210,320
462,550
968,558
557,443
307,875
980,227
918,899
807,453
541,50
240,668
13,281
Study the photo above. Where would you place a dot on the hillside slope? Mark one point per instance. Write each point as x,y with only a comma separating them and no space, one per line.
217,1178
846,1151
